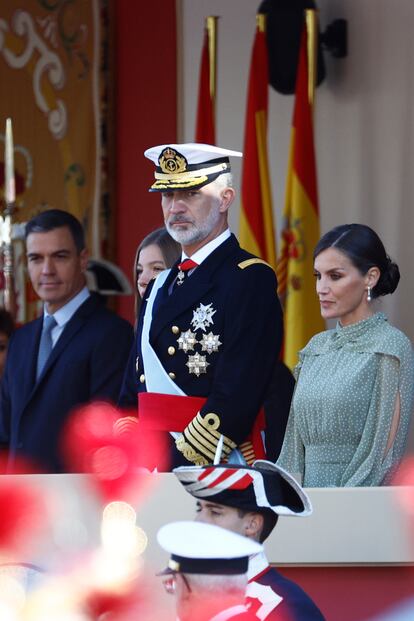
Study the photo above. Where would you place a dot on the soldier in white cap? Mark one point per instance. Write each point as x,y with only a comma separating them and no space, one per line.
248,501
207,571
210,329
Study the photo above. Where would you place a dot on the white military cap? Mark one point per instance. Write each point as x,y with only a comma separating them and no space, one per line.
188,166
198,548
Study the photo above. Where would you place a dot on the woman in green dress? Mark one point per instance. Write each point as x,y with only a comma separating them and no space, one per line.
353,399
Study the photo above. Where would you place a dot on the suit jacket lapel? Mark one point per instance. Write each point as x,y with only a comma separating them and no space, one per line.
74,324
191,291
32,352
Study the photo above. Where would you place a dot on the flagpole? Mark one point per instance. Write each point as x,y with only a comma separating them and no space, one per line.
10,201
312,34
211,27
261,22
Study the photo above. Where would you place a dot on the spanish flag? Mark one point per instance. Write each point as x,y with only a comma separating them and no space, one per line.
256,215
205,122
301,225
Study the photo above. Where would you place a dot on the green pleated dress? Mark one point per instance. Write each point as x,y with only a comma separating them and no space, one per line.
339,424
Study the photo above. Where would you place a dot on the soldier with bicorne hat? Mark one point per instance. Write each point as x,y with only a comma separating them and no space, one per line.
210,329
248,501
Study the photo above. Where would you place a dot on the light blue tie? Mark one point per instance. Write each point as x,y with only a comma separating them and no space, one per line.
46,343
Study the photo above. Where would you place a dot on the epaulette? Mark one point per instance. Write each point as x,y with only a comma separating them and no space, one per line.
254,261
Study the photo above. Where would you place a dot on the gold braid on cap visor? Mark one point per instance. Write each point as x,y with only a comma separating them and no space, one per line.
188,179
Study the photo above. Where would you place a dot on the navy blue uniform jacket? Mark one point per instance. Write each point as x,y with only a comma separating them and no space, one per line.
240,292
86,363
296,605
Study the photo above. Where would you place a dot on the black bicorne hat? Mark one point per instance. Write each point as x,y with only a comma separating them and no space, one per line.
261,486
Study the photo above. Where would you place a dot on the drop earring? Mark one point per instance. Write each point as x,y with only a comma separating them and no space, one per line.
369,297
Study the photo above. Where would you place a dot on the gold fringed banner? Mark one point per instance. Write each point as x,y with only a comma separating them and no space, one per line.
52,89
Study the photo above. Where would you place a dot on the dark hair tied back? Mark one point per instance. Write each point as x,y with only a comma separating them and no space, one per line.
364,248
388,280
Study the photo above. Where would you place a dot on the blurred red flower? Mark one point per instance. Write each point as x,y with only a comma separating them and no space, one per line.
119,462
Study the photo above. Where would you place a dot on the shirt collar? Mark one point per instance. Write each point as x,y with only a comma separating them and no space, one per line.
203,252
257,564
65,313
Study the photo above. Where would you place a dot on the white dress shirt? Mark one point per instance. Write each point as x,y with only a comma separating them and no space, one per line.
64,314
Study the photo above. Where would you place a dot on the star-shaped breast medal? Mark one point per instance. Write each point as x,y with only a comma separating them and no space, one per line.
197,364
202,317
186,341
210,342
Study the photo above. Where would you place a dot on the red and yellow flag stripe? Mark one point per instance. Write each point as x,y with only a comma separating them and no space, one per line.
257,233
205,122
301,225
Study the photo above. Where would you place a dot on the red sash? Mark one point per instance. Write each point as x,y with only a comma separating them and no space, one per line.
158,412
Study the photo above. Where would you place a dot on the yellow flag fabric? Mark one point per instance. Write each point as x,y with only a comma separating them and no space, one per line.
256,232
52,88
301,226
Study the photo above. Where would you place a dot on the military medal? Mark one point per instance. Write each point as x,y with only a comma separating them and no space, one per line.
210,342
183,269
180,277
202,317
197,364
187,340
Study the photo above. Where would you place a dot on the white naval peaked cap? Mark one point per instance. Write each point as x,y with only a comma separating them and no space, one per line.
196,547
188,166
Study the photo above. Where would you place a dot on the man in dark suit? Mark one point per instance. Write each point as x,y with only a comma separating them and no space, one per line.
75,353
210,329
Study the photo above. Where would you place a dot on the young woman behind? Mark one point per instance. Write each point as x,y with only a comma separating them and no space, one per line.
157,252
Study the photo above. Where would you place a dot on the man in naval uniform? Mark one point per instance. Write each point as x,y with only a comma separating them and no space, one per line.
210,329
248,501
207,571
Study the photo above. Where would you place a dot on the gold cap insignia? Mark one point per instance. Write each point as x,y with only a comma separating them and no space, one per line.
173,565
172,162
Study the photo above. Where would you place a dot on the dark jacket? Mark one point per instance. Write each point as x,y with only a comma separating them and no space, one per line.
87,363
291,603
246,320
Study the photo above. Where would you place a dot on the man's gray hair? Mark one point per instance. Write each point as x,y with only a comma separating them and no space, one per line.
223,181
218,585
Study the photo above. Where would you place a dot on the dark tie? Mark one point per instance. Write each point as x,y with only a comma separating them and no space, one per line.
46,344
183,269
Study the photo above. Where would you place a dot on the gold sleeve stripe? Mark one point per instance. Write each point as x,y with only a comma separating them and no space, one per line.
201,426
191,432
211,435
209,430
201,438
208,454
255,261
189,453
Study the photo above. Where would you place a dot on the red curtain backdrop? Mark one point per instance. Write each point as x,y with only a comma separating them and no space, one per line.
145,115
